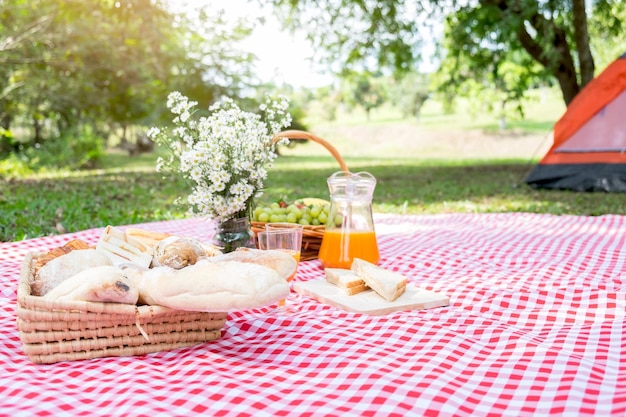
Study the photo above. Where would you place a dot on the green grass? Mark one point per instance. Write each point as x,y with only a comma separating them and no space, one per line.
34,207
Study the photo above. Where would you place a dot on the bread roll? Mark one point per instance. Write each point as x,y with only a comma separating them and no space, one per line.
99,283
61,268
178,252
210,286
278,260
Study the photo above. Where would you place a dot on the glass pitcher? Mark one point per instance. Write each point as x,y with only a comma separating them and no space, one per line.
349,230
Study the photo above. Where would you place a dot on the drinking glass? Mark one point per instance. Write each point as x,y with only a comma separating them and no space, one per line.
284,237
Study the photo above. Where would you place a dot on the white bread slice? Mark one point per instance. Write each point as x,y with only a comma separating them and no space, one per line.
144,238
345,279
389,285
114,244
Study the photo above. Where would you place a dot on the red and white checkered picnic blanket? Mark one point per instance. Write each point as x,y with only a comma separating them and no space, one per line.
535,326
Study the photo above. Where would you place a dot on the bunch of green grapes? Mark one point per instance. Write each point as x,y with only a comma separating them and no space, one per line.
312,214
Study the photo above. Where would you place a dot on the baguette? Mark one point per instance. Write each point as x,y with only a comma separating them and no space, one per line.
345,279
389,285
210,286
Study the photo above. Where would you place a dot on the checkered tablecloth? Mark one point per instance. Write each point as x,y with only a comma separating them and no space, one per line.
535,326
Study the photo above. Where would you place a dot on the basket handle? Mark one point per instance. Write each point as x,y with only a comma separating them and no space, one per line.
301,134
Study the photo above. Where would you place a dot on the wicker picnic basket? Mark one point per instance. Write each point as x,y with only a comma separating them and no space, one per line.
54,331
311,235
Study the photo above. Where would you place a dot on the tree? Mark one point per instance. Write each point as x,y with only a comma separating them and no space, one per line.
484,70
366,34
410,93
365,90
106,64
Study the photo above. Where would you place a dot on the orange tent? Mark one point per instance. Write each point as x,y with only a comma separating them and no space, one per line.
589,149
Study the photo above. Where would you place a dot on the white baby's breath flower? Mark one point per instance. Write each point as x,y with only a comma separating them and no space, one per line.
225,155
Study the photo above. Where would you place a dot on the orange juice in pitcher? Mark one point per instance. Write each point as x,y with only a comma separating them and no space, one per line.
349,230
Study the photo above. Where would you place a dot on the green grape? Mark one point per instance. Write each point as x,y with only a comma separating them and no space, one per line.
263,217
323,217
315,222
338,219
315,211
291,217
298,213
275,218
307,217
304,222
257,211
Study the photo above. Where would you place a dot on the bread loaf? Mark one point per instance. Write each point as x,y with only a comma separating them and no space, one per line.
278,260
210,286
61,268
75,244
387,284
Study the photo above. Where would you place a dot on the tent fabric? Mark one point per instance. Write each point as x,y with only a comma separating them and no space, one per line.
589,148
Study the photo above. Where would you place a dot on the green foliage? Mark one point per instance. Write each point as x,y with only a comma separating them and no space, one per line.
66,64
364,90
14,165
388,36
410,93
73,149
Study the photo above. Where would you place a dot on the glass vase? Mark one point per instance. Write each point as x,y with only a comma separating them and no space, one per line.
234,233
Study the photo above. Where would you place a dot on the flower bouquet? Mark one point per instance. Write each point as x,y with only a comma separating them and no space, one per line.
224,156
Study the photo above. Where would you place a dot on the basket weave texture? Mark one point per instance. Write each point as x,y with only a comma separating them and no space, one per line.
311,235
54,331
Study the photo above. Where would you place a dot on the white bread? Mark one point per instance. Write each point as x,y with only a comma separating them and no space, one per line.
389,285
278,260
114,243
99,283
147,238
345,279
74,244
210,286
57,270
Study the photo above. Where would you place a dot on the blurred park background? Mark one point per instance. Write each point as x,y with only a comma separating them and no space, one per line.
448,104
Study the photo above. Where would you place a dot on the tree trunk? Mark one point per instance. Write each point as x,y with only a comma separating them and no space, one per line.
558,61
581,36
38,128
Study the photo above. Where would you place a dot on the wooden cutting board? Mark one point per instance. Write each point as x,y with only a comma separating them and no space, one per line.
368,302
